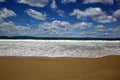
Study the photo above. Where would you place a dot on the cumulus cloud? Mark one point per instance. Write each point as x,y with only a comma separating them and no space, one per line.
117,29
61,13
35,14
6,27
99,1
35,3
88,12
9,28
57,10
55,27
82,25
78,13
54,24
5,13
2,1
105,19
53,4
62,27
98,15
67,1
9,25
106,31
95,13
117,13
100,28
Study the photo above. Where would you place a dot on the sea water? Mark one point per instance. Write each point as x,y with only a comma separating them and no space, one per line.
59,48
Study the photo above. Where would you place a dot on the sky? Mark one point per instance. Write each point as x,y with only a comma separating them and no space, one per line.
60,18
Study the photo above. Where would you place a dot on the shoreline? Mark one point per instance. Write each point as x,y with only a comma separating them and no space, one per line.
59,57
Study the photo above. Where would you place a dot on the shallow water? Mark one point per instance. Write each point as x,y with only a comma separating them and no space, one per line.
59,48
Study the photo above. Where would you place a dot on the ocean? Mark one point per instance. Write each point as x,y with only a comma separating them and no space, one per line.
59,48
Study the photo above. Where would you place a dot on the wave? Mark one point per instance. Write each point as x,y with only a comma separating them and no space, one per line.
59,48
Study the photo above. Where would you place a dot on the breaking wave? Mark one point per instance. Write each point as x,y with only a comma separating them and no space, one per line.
59,48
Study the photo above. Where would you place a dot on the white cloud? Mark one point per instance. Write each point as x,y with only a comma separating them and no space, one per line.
5,13
35,3
100,28
6,28
62,27
53,4
95,13
54,24
78,13
9,25
35,14
117,13
117,28
67,1
10,29
2,0
61,13
105,19
99,1
54,27
6,25
98,15
88,12
82,25
106,31
56,9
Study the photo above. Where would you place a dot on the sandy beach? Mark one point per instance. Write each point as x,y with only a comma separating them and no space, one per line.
36,68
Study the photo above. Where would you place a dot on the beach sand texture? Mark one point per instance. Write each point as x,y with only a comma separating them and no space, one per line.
36,68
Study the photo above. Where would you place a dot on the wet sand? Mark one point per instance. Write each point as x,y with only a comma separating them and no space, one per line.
34,68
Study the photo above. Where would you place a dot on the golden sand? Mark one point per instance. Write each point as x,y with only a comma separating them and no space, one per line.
34,68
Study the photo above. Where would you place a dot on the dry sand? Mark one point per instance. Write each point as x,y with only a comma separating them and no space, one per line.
34,68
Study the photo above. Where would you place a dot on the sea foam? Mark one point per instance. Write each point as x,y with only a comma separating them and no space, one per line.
59,48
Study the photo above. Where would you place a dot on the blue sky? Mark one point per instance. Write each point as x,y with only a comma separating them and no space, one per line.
60,18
